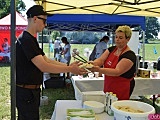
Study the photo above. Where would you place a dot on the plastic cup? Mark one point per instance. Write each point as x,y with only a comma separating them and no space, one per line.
96,74
90,75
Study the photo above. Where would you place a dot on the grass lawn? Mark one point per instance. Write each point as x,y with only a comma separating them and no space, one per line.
5,92
55,94
66,93
149,51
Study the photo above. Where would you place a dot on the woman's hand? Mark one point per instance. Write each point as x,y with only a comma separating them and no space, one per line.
95,69
91,62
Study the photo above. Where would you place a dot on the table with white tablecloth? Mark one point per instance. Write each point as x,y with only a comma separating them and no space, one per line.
61,106
5,55
86,84
143,86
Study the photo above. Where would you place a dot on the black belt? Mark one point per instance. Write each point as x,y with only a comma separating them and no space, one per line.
29,86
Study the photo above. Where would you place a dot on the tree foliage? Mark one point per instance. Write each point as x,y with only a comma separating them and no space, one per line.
152,27
55,34
5,7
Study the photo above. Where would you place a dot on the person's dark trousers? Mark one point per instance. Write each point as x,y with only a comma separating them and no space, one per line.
27,103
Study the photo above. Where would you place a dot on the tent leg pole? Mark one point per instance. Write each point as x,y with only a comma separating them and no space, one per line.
13,60
143,46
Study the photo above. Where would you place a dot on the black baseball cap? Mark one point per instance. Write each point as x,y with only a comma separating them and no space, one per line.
35,11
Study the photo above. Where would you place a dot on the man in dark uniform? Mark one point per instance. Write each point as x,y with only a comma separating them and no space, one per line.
31,63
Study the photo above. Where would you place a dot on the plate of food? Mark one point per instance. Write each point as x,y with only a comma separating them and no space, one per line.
80,114
86,65
80,118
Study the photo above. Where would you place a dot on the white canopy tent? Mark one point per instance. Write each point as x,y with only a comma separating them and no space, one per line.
125,7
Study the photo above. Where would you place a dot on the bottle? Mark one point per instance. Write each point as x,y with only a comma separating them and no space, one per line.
153,71
150,67
113,99
106,102
109,102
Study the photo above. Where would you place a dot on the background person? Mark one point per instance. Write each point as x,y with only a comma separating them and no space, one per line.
5,46
101,46
51,46
32,62
6,50
66,52
57,45
119,65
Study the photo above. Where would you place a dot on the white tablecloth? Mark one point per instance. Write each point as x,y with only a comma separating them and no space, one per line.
143,86
86,84
146,86
5,54
61,107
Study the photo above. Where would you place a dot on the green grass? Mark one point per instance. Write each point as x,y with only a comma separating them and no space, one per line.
53,94
149,52
80,47
4,92
66,93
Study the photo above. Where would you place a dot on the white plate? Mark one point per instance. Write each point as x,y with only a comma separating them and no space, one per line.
97,107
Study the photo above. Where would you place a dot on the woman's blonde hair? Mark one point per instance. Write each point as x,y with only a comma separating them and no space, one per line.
126,30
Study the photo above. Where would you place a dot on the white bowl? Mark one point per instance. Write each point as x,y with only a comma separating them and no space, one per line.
97,107
136,105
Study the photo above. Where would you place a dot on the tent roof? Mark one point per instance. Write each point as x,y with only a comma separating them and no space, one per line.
92,22
19,20
126,7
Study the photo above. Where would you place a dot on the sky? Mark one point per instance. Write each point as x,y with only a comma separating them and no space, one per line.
30,3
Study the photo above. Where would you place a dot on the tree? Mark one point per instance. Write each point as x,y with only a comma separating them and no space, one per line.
55,34
5,7
152,27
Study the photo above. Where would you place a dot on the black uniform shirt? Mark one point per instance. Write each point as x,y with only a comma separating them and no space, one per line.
27,48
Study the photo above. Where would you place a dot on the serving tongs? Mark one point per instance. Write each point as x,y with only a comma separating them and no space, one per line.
88,70
80,58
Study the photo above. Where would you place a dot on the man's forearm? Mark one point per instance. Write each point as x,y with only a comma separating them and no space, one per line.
53,61
58,63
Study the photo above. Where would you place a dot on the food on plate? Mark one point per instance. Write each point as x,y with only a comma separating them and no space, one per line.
85,112
86,65
80,118
80,114
128,109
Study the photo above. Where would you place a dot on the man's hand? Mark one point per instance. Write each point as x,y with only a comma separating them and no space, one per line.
76,69
76,63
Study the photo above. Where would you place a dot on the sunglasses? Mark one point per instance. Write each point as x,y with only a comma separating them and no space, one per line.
44,20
